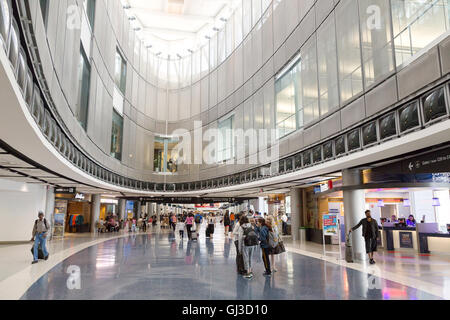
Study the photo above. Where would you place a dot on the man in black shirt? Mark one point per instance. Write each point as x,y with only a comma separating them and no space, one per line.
370,234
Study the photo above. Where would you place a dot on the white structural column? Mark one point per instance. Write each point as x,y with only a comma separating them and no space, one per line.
149,209
354,206
95,211
122,208
296,212
50,207
138,209
271,208
159,210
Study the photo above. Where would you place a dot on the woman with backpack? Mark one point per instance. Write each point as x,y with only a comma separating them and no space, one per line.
263,234
271,225
248,244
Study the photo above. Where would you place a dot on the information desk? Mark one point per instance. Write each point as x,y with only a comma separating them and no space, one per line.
399,238
434,241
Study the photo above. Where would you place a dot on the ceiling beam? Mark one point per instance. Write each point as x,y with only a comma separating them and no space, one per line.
139,11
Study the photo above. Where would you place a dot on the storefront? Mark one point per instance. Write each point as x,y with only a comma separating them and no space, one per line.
109,207
410,218
72,212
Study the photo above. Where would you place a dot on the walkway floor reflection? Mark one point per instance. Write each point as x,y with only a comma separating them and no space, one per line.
162,266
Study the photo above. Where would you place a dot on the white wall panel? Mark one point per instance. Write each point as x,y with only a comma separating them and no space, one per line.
213,89
161,105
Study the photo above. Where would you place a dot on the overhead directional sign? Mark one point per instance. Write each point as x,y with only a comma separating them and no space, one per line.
189,200
434,162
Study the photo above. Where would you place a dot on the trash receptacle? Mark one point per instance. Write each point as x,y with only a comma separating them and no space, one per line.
302,235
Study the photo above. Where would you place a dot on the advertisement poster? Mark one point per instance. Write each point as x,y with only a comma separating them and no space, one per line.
330,224
406,240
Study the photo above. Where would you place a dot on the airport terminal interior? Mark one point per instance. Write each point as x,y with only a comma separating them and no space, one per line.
225,150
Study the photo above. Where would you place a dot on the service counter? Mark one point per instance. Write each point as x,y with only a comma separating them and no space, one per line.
399,238
393,238
434,242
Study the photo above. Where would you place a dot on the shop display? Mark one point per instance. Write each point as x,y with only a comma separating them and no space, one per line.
59,218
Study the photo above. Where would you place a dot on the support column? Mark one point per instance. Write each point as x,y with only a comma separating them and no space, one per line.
159,209
138,210
95,211
354,206
122,208
296,212
149,209
50,208
271,209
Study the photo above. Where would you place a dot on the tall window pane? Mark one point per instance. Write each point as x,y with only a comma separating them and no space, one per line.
5,21
376,38
44,10
120,72
84,78
307,88
285,99
225,149
89,6
116,135
349,50
416,23
327,65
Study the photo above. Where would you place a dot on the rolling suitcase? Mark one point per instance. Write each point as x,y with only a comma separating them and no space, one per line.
194,235
240,264
240,268
40,252
348,249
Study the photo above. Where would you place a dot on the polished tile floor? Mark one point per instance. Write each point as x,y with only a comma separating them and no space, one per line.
162,266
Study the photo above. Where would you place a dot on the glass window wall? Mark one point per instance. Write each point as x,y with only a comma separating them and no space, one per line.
307,87
44,10
165,156
327,66
225,141
89,6
416,23
285,99
377,49
116,135
5,22
120,72
84,78
349,49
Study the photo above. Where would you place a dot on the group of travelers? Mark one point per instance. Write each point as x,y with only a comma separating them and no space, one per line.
250,231
110,224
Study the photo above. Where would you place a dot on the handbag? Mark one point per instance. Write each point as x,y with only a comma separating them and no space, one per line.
279,248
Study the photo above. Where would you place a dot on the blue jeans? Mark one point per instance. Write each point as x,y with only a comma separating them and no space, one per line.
39,239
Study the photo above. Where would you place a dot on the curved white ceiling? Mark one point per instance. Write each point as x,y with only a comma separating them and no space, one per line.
175,26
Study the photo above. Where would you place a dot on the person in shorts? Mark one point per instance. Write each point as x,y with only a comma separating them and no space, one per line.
370,234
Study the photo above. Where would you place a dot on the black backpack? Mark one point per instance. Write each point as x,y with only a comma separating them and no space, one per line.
45,222
250,237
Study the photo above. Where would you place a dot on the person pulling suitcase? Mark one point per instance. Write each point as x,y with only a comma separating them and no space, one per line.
40,232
